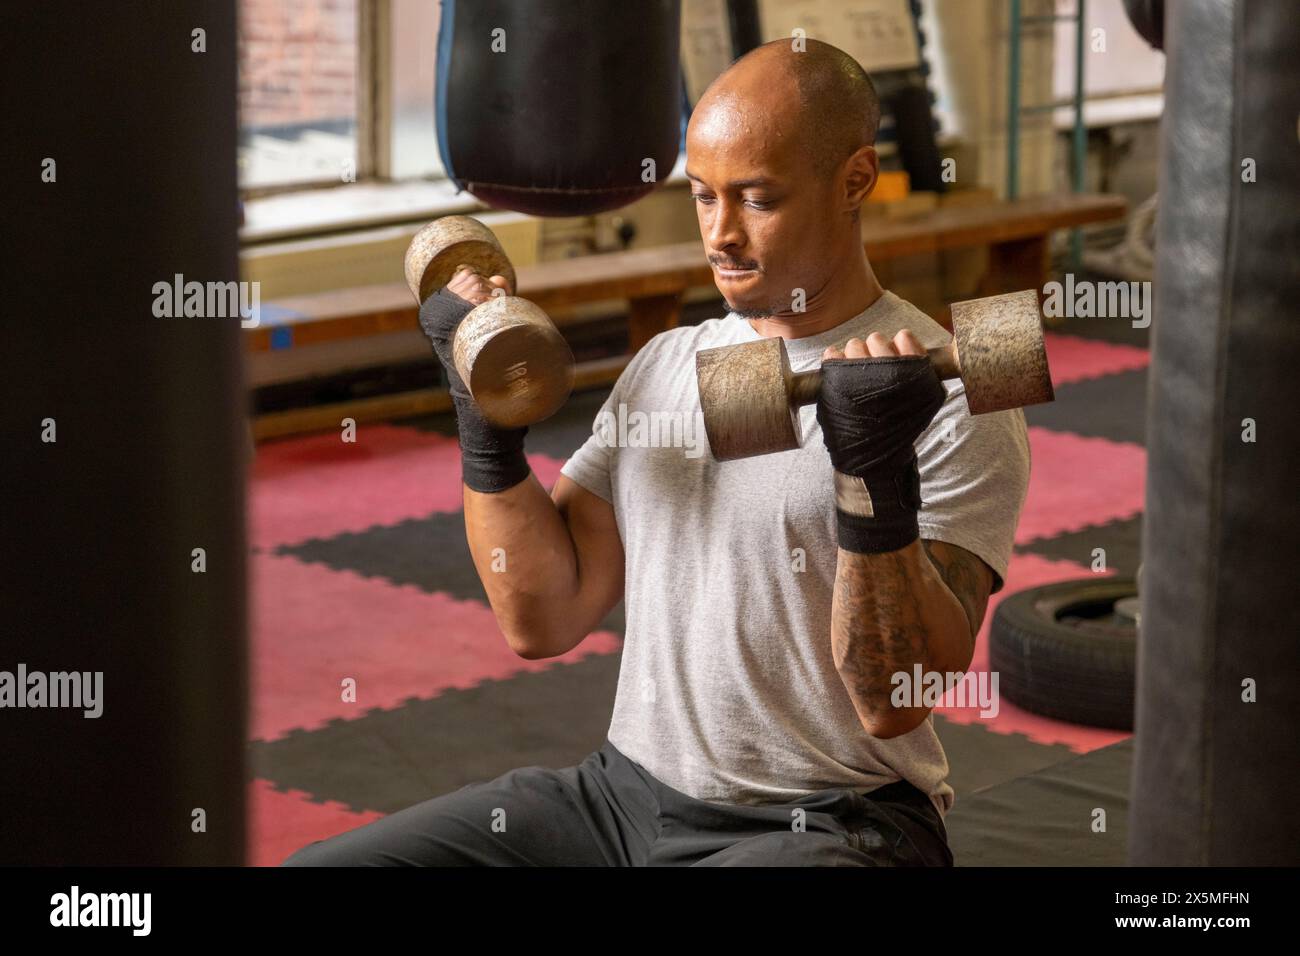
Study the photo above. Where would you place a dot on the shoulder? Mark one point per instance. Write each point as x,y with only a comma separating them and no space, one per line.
1003,435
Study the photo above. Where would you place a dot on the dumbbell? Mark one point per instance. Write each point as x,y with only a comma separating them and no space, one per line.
751,399
509,354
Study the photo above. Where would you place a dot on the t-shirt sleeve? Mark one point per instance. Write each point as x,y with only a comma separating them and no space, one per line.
974,479
592,465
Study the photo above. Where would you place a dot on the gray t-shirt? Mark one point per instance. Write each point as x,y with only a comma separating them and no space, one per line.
727,690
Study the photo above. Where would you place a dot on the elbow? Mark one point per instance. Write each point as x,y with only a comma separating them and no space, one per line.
536,644
897,723
528,648
963,654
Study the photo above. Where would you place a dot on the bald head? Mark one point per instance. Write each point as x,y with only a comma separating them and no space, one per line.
819,96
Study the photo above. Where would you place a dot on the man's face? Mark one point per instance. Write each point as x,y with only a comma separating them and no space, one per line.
765,219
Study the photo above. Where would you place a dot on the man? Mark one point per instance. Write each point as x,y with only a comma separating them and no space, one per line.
754,721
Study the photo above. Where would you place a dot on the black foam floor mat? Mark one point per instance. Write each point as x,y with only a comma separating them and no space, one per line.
1073,813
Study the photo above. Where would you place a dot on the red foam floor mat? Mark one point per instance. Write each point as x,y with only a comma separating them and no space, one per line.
1074,359
312,627
321,486
279,824
1075,482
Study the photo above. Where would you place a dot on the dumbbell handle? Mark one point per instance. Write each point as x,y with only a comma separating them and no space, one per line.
806,386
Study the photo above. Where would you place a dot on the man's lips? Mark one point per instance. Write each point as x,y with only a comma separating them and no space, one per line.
729,272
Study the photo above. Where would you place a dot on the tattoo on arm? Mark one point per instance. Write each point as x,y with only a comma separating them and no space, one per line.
967,577
887,617
874,595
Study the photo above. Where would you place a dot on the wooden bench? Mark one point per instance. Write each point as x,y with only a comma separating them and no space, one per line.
654,281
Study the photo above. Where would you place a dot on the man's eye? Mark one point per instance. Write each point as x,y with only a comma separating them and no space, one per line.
755,203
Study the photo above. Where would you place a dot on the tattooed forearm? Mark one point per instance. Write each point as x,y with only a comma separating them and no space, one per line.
873,597
967,577
892,612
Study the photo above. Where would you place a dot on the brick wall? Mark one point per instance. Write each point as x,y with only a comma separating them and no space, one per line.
297,61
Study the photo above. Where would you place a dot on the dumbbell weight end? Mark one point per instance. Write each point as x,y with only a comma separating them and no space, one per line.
515,363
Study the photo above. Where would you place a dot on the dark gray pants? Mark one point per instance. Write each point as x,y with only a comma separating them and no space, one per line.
608,811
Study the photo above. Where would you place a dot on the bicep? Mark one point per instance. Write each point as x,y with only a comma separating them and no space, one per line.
598,548
966,576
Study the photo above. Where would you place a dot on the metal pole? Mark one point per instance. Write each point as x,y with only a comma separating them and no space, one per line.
1080,133
1013,102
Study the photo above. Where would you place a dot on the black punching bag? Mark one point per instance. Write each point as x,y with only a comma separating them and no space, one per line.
124,440
1218,702
557,109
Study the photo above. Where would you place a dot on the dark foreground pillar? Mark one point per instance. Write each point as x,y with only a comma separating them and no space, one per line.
99,525
1214,776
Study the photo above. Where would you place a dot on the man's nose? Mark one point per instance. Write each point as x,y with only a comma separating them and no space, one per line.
724,234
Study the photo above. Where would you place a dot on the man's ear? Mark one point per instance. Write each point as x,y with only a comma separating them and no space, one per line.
861,172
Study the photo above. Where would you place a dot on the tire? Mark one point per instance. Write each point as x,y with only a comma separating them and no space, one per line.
1061,651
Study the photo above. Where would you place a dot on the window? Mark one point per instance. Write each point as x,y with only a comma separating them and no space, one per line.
411,141
298,86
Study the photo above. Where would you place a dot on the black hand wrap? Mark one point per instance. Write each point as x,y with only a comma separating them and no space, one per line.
492,459
871,411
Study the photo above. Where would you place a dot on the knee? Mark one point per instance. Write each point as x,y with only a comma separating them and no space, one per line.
306,856
334,851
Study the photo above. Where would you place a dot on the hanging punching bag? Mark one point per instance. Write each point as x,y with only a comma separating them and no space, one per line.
1218,701
558,109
